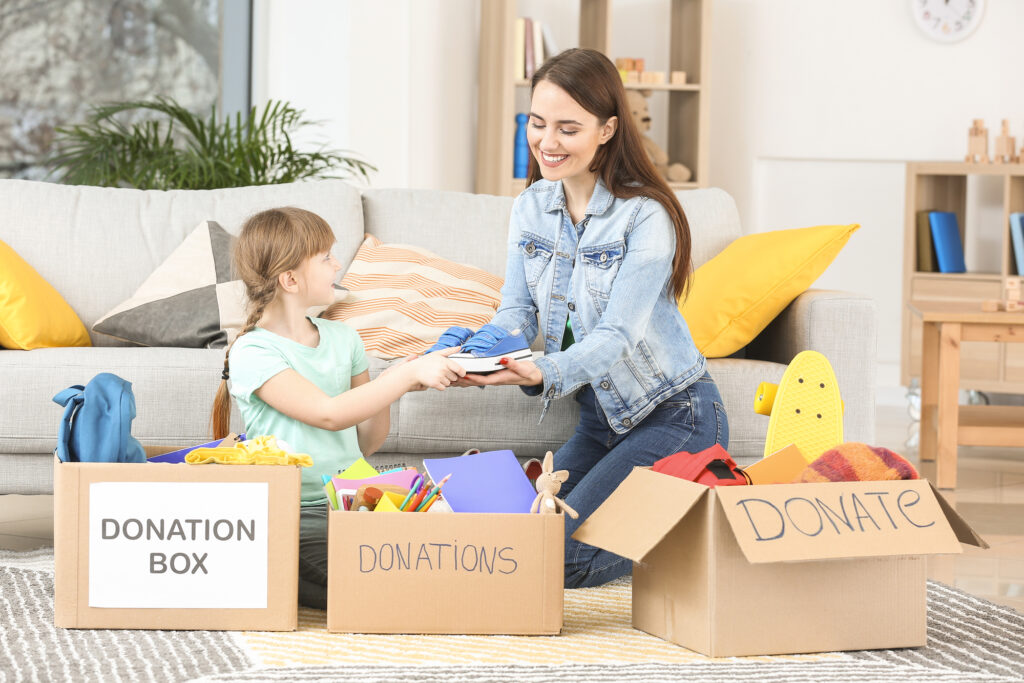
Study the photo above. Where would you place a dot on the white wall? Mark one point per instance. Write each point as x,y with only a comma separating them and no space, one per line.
815,106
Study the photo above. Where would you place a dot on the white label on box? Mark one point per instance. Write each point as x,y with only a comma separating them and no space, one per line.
178,544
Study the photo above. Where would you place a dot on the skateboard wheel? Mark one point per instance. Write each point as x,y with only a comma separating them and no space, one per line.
765,398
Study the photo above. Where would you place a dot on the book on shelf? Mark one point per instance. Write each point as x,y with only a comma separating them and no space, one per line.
1017,239
529,47
949,248
519,45
925,249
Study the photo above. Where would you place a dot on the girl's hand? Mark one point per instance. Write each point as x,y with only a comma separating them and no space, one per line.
435,370
521,373
402,361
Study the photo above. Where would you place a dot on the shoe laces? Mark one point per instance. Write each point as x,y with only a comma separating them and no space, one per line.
485,339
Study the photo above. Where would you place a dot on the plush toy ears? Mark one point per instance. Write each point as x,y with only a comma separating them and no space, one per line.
561,476
549,461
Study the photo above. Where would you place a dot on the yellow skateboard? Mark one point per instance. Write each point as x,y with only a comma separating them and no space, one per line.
804,407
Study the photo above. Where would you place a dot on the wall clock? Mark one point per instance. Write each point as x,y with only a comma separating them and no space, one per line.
947,21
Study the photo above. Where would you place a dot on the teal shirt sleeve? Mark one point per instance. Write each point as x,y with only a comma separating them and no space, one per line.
250,364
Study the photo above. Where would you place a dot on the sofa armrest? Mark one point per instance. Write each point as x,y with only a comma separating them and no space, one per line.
843,327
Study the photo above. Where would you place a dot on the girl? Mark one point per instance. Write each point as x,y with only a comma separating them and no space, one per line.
598,254
305,380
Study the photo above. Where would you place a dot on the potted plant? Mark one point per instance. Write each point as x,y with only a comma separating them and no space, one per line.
179,149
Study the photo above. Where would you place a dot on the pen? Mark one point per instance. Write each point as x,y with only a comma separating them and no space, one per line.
417,483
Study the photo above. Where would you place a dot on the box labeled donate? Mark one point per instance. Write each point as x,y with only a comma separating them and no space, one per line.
175,546
777,569
464,573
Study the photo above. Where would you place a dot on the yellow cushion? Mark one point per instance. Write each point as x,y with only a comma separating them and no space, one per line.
737,293
32,314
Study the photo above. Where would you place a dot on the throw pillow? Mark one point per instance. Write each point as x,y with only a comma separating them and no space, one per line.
737,293
190,300
401,298
32,314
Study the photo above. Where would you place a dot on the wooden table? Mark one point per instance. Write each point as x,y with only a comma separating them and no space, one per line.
944,423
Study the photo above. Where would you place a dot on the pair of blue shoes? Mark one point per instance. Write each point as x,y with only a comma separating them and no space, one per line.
481,350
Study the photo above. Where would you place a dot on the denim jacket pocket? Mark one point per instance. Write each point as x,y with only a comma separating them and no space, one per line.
537,252
600,265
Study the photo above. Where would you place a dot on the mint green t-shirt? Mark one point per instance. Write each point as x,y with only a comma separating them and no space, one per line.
260,354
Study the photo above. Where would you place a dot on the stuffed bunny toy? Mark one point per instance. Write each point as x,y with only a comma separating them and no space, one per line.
548,484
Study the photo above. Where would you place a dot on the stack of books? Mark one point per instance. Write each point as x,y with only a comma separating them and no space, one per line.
940,248
533,44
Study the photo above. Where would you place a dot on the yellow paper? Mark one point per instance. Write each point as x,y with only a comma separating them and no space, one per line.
360,469
263,450
389,502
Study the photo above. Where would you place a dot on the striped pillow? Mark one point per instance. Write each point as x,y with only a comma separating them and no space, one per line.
401,298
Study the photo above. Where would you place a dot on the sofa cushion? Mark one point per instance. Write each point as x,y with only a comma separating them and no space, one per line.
190,300
173,388
738,292
402,298
96,245
33,314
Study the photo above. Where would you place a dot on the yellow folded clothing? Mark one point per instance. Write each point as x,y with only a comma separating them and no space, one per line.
263,450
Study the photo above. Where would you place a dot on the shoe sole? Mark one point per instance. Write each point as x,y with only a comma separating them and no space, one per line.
479,365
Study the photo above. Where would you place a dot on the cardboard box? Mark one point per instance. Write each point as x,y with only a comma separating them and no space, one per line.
464,573
175,546
777,569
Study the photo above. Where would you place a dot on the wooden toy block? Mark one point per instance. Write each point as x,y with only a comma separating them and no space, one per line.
625,64
624,75
1006,146
638,64
633,76
977,143
655,77
991,305
678,78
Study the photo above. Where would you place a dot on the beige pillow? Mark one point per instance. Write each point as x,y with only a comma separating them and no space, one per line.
401,298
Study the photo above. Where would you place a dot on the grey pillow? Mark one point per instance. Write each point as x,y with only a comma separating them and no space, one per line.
190,300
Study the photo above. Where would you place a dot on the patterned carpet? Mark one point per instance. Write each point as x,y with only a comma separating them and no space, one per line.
969,640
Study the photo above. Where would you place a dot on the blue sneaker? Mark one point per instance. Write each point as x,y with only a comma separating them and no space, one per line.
482,351
453,336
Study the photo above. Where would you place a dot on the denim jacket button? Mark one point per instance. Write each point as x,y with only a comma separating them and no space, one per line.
572,306
551,392
626,422
530,248
604,256
605,385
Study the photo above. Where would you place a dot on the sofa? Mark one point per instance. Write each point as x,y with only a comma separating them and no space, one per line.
97,245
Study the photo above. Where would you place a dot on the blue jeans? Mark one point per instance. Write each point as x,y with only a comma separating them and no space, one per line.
598,460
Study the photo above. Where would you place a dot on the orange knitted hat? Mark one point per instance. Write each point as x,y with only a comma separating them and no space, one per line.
857,462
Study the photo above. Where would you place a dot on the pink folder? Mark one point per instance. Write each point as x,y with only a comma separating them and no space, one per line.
403,478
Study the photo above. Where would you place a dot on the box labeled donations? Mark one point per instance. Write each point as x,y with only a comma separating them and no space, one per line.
176,546
777,569
462,573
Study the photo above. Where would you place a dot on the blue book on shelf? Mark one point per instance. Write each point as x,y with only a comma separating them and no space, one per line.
1017,237
949,249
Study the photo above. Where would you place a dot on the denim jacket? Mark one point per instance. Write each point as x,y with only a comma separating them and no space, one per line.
610,274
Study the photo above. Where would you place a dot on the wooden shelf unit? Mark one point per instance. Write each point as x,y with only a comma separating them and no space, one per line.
942,186
688,105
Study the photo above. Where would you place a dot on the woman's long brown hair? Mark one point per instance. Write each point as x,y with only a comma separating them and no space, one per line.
622,163
270,243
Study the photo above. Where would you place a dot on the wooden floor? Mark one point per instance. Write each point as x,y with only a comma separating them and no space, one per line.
990,495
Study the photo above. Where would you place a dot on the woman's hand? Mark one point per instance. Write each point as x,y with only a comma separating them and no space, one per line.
521,373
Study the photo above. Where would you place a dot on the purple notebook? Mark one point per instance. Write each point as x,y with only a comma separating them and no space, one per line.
483,482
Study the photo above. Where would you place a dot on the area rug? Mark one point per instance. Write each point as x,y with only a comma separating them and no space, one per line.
968,640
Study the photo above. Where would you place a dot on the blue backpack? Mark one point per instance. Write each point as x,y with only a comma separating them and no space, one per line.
97,422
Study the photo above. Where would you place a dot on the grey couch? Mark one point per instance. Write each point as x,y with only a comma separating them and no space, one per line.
97,245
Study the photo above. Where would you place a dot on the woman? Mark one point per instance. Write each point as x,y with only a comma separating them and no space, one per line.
598,253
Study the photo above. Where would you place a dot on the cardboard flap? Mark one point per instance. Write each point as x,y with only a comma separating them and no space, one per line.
639,513
789,522
963,530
